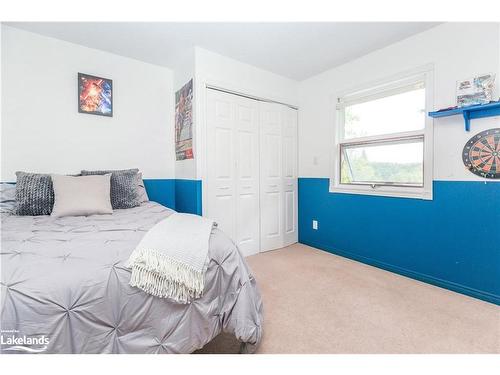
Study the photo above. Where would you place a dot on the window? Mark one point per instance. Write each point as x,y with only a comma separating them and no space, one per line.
384,139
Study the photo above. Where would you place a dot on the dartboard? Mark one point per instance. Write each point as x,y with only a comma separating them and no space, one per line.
481,154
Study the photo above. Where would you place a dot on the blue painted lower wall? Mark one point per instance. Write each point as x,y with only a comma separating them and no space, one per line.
452,241
188,196
161,191
180,195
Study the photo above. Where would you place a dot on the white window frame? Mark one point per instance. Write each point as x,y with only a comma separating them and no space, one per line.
373,91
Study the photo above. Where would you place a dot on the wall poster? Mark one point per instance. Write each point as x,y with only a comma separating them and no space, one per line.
95,95
184,122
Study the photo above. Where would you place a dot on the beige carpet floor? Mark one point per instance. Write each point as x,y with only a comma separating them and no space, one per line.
316,302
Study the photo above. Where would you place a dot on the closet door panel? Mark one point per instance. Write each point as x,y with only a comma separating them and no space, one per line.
289,212
272,215
221,185
288,155
247,179
290,234
271,222
223,164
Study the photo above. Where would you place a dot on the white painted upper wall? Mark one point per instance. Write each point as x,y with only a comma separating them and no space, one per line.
217,70
234,75
457,50
42,130
227,73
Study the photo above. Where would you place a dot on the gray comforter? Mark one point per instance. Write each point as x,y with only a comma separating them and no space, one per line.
65,279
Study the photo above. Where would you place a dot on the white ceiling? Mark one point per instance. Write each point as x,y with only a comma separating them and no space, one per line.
295,50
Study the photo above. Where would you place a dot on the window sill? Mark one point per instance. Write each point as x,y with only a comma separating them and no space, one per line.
382,191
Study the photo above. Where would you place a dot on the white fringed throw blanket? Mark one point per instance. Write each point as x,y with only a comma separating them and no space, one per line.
170,261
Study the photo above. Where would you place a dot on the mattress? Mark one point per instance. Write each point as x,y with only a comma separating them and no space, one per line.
64,280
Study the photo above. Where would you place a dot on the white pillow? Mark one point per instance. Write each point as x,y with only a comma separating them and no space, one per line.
81,196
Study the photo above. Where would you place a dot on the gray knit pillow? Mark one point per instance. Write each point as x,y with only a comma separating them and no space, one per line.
34,194
124,187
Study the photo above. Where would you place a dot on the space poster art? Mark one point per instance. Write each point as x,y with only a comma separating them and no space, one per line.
184,122
95,95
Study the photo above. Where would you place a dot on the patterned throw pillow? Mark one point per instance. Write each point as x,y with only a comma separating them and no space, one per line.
124,187
142,189
34,194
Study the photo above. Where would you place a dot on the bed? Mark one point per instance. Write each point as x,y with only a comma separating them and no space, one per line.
65,279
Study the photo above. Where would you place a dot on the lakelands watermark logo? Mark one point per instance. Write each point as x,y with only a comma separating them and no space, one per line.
13,341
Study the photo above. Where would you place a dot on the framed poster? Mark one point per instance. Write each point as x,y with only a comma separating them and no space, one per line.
184,122
95,95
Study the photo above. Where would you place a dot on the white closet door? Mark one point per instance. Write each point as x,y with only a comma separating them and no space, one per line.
221,181
290,232
247,175
252,171
271,173
233,168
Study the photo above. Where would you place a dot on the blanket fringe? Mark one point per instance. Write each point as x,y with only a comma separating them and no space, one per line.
164,277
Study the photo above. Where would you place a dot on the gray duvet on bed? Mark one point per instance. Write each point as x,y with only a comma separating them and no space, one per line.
65,279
